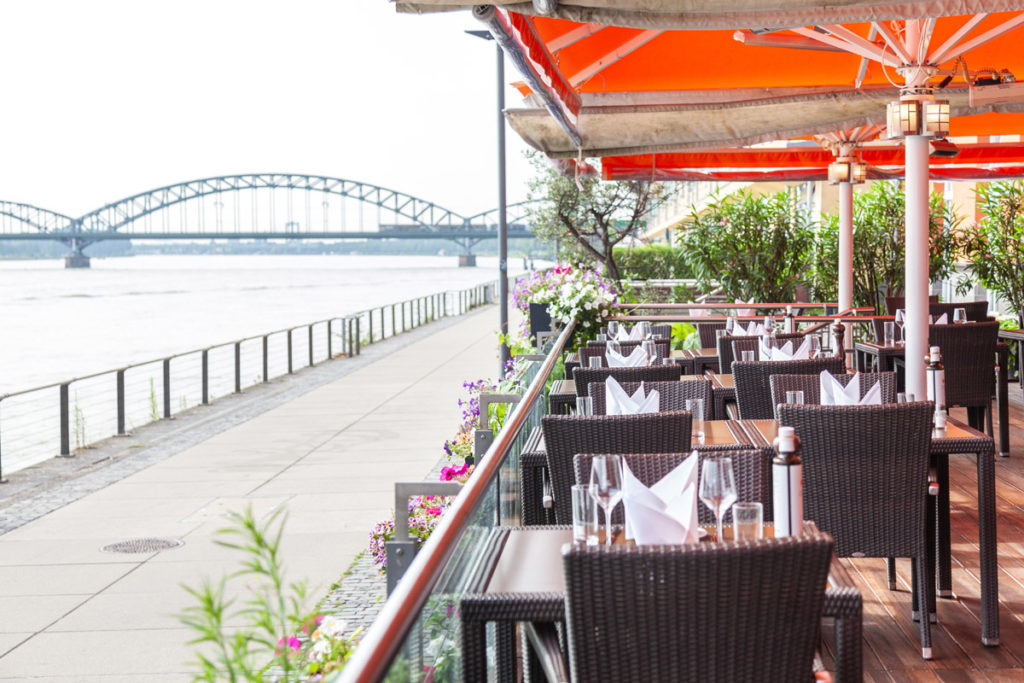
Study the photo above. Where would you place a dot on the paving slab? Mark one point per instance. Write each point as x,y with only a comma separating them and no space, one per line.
326,444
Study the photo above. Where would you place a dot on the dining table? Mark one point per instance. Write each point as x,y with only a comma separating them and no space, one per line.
723,392
562,396
682,357
520,579
889,358
1016,336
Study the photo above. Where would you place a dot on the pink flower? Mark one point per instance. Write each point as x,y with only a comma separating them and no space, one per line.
291,642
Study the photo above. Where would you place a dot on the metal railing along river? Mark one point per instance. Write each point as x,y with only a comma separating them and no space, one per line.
39,423
416,634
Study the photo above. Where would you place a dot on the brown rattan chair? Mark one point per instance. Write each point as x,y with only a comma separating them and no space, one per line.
968,355
706,333
703,612
894,302
672,395
865,474
753,390
728,351
750,468
584,376
811,386
567,435
597,349
661,331
977,311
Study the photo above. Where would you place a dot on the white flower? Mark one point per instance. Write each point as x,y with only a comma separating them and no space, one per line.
320,649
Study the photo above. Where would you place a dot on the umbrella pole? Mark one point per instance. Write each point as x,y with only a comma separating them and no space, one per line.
846,254
916,254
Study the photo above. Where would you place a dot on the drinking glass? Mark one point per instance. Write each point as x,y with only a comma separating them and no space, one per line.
814,350
606,487
747,521
901,320
584,515
959,316
645,329
889,333
794,398
584,405
746,355
668,361
595,362
903,397
696,407
717,487
612,346
602,337
730,325
651,350
613,329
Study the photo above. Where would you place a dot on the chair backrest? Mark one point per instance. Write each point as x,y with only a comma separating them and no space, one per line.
968,356
878,328
661,331
671,395
584,376
730,347
753,388
894,302
750,466
714,612
567,435
811,386
865,474
592,349
977,311
706,333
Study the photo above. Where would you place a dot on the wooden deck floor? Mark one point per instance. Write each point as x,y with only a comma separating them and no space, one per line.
892,640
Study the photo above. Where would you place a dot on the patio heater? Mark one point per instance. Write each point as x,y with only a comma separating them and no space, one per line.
503,351
846,171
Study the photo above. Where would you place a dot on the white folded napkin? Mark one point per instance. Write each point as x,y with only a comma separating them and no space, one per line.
942,320
634,334
665,513
617,402
698,312
635,359
833,393
786,352
743,312
754,329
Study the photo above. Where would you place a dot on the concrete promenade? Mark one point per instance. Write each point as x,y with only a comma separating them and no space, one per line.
328,450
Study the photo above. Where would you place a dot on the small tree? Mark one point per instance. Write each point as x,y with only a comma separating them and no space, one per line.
591,215
752,246
879,241
995,244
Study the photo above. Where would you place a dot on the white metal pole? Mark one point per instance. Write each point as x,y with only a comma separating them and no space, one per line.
846,255
916,283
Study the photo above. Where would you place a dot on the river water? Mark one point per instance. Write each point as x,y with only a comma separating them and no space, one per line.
59,324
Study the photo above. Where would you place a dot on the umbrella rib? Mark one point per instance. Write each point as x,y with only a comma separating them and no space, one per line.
893,41
874,53
987,36
573,36
939,55
611,57
862,69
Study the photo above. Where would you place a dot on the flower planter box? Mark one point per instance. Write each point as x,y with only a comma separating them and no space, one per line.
540,319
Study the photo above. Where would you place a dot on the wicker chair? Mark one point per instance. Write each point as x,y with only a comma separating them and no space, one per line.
728,351
661,331
968,355
865,474
672,395
811,386
750,466
704,612
894,302
753,390
706,333
878,328
584,376
597,349
567,435
977,311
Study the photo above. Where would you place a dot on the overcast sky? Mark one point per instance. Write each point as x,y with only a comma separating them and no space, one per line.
104,99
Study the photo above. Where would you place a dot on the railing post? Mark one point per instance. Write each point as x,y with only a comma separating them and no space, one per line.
2,480
120,403
330,344
65,422
167,387
311,345
404,328
358,336
394,328
238,367
289,351
382,335
206,377
369,322
266,347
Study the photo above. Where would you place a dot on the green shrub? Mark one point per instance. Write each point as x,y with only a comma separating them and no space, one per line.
652,262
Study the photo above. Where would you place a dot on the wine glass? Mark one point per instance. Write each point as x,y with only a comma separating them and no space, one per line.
717,487
651,350
613,330
900,322
606,487
814,350
645,329
959,316
612,346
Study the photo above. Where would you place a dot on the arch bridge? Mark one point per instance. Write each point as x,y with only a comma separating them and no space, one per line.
259,206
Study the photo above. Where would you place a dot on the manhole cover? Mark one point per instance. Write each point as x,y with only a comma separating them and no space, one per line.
142,545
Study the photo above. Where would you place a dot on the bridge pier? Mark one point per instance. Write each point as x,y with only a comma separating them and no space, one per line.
467,260
76,261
